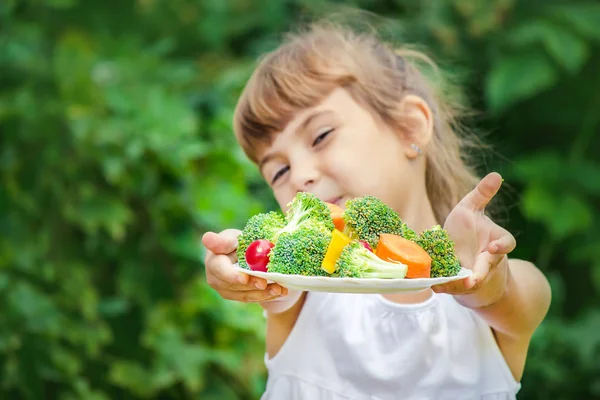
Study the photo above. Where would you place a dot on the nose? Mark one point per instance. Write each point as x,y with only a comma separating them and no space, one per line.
305,174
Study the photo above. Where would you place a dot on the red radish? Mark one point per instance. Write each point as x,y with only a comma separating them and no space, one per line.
366,245
257,254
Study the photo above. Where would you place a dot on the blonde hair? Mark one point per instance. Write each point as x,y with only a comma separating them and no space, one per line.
313,62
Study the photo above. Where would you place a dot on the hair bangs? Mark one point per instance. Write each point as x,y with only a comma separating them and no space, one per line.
285,83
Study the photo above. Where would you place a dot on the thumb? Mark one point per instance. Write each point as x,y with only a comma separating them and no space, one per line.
221,243
483,193
483,264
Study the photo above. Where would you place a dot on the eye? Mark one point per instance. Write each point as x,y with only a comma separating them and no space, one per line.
322,136
280,173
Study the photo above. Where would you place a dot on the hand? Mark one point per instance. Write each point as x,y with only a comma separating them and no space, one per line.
222,276
480,244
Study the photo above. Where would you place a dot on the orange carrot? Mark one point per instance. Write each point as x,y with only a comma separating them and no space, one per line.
396,248
337,214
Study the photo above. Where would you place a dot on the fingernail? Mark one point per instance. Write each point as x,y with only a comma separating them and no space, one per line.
241,279
274,291
257,284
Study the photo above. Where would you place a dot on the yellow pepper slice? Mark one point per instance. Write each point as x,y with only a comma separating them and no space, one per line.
336,245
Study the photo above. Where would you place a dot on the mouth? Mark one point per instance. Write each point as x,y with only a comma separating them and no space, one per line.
335,200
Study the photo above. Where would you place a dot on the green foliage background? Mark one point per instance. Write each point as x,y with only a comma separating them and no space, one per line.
116,153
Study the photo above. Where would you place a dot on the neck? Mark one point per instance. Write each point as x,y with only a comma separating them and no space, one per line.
419,216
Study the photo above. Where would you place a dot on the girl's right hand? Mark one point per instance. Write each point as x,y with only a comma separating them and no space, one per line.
222,276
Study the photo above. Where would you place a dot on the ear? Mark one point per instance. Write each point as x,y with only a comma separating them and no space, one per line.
417,124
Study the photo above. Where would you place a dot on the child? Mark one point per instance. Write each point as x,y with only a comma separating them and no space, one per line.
343,115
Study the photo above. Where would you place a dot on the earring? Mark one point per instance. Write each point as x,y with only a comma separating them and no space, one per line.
416,148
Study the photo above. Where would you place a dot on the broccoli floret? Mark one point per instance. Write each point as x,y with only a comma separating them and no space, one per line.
440,247
408,233
368,217
307,208
301,252
259,226
358,262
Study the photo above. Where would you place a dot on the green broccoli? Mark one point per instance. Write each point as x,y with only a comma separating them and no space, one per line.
301,252
440,247
259,226
408,233
368,217
307,208
358,262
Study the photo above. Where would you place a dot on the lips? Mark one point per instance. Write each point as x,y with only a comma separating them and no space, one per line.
335,200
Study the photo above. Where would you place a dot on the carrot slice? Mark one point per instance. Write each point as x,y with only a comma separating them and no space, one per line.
396,248
337,214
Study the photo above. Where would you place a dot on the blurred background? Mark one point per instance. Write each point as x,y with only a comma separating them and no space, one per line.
117,153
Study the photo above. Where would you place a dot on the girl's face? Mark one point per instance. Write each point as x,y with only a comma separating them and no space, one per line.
338,151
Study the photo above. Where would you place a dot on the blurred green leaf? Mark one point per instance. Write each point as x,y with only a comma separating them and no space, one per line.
66,360
563,213
565,47
182,359
114,307
596,273
585,334
554,169
518,77
61,3
132,376
584,17
38,311
548,167
94,212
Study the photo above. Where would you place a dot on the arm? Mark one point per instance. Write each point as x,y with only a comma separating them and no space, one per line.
512,296
281,318
515,312
282,306
520,305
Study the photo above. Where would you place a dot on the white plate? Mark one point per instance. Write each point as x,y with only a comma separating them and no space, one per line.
353,285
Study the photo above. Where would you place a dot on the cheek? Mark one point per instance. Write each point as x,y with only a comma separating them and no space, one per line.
379,170
283,197
355,172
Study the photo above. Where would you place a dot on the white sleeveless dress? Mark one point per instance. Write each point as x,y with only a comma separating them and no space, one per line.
362,346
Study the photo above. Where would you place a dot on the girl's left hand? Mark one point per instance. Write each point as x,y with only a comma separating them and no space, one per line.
480,244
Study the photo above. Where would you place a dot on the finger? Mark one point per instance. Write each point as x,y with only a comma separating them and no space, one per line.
454,287
485,190
221,274
252,284
220,267
221,243
484,263
258,283
503,245
253,296
441,288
